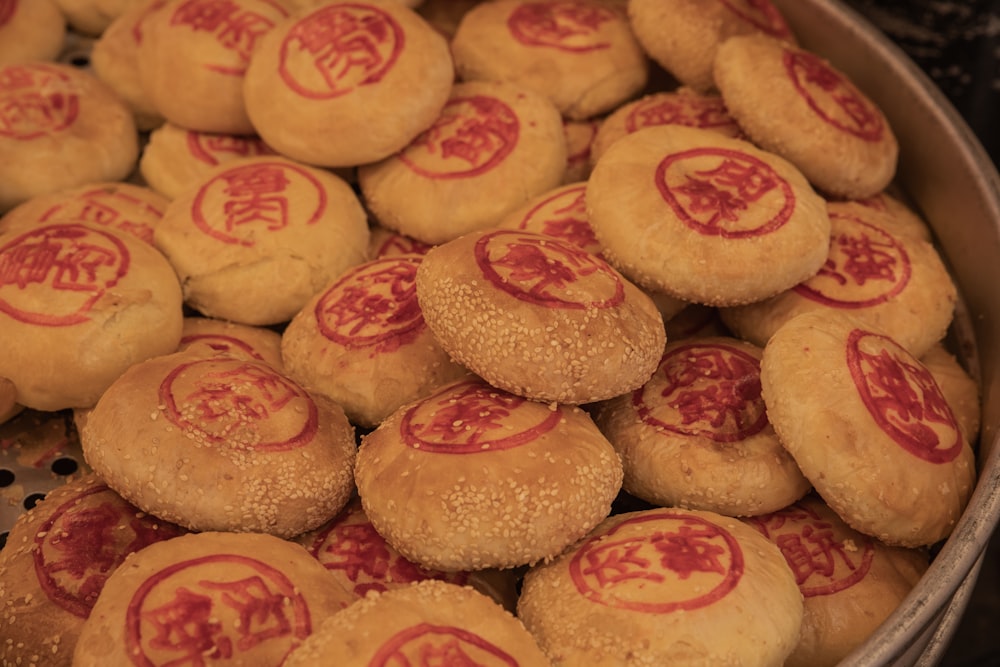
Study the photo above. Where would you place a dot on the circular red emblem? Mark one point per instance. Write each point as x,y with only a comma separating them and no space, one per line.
706,112
547,271
832,97
235,27
470,137
190,613
902,397
567,26
214,149
79,263
472,417
247,201
111,208
339,48
426,645
705,390
373,305
657,563
238,404
36,100
761,14
564,216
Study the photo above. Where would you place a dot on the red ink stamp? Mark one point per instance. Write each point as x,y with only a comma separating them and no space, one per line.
247,201
657,563
472,417
701,111
237,404
832,97
902,397
351,548
233,26
821,560
221,344
110,208
761,14
567,26
471,136
373,305
866,267
705,390
214,149
79,263
428,645
547,272
717,191
339,48
36,100
179,616
564,216
85,540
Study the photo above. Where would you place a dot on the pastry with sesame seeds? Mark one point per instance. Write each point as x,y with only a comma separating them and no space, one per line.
217,442
473,477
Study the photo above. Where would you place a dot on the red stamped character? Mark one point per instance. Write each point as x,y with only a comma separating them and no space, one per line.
822,562
902,397
352,547
214,149
180,617
706,390
650,554
235,404
429,645
373,305
548,272
706,112
36,100
221,344
762,15
78,262
832,97
473,417
471,136
234,27
567,26
564,216
85,540
866,267
716,191
347,45
110,208
241,203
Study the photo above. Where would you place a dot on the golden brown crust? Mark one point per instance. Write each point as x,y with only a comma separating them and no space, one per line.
239,340
31,30
958,386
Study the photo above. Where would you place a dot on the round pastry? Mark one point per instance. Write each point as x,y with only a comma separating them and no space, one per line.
697,215
430,622
665,587
869,427
890,212
175,158
850,583
254,240
959,388
362,341
92,17
78,305
796,104
580,54
579,139
56,561
683,36
387,243
30,30
696,435
348,83
233,339
472,477
62,128
129,208
493,147
216,442
539,317
682,106
209,598
894,282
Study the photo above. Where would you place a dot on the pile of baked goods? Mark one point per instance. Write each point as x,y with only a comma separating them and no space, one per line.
513,332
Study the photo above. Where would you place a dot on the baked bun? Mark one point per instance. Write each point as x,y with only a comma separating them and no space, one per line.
492,148
472,477
869,427
421,624
346,83
213,442
235,340
79,304
665,587
31,30
66,128
246,599
697,215
258,237
56,561
539,317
